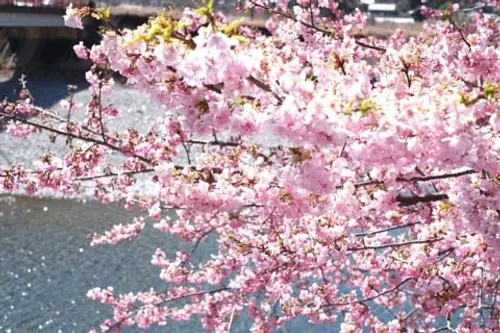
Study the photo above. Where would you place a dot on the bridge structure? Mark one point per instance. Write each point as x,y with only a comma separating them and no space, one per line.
33,34
48,13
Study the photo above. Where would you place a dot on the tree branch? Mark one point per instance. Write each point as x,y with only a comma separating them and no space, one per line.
71,135
113,174
436,177
165,301
394,245
101,124
214,142
386,230
186,149
264,87
415,199
364,300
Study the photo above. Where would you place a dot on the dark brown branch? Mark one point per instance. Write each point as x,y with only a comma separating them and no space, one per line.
71,89
364,300
395,245
189,42
215,87
186,149
368,46
436,177
291,17
363,184
114,174
311,13
462,36
101,124
71,135
441,329
406,71
214,142
342,151
468,83
264,87
415,199
364,234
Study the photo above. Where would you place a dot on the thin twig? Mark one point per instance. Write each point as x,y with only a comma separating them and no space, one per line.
440,329
462,36
342,151
69,134
72,95
364,300
435,177
312,14
100,113
395,245
364,234
214,142
231,319
315,27
264,87
411,313
114,174
186,149
272,310
215,136
406,71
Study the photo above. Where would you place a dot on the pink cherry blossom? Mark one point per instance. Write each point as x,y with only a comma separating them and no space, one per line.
72,19
336,174
81,51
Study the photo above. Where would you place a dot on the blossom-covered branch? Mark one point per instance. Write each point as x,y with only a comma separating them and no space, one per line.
301,153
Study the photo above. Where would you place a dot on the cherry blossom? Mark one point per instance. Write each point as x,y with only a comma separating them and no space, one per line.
72,18
346,179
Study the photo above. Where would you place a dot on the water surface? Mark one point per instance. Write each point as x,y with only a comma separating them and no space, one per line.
47,265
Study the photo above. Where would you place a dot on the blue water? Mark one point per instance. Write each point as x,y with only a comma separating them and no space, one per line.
47,267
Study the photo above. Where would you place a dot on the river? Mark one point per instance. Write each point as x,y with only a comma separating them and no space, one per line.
47,267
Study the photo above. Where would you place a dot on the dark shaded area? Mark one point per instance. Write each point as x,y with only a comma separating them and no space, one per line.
46,90
130,21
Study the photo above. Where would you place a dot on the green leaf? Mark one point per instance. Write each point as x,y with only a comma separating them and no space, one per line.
208,8
106,13
232,28
366,106
489,90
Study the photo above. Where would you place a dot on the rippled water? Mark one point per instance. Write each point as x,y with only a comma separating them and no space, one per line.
47,267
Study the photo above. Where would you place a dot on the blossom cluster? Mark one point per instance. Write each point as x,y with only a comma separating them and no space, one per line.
341,174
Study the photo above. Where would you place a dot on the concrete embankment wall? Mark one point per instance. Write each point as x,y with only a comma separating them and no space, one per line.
44,50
